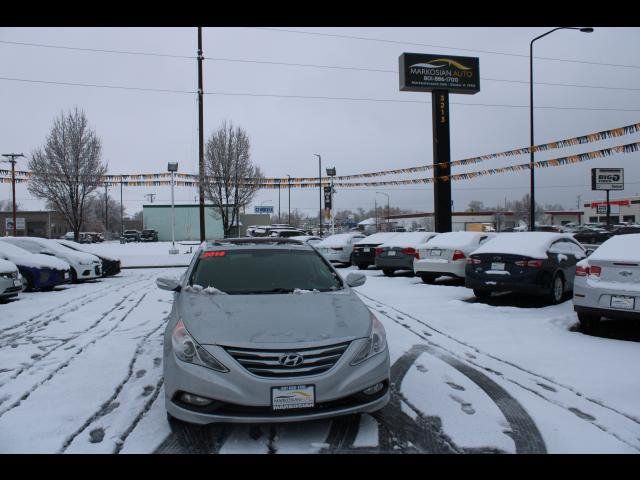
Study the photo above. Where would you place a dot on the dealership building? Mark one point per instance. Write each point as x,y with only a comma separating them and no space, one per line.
623,209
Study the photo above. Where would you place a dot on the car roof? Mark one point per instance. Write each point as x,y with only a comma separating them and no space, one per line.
253,242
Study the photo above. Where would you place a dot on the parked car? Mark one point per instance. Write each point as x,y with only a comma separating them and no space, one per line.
131,236
310,239
338,248
149,235
110,266
39,272
10,280
548,228
84,266
446,254
364,254
285,232
95,237
607,283
399,252
532,263
596,236
284,338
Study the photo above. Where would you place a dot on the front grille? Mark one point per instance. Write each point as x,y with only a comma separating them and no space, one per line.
265,363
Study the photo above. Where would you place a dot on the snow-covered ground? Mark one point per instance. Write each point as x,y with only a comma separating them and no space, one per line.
80,371
145,254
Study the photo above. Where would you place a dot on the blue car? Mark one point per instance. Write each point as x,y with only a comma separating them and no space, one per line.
40,272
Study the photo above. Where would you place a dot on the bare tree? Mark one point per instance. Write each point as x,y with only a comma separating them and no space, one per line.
68,168
230,176
94,220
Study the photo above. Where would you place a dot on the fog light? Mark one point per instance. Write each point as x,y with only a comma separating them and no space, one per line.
373,389
195,399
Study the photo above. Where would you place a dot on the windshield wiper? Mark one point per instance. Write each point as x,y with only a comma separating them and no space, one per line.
273,290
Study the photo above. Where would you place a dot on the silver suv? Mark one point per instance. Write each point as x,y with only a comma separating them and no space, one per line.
265,330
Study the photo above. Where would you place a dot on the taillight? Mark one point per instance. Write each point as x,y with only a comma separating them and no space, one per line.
458,255
474,261
582,271
594,271
219,253
410,251
529,263
378,251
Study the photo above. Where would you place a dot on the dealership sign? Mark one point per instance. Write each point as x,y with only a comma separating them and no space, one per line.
20,224
420,72
607,179
263,209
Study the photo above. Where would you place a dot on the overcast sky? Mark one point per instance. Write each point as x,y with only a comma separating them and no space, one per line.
141,130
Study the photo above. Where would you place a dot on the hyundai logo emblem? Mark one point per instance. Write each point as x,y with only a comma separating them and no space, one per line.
290,359
626,273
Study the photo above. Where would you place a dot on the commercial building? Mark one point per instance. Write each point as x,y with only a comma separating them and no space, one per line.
623,209
461,221
157,216
41,223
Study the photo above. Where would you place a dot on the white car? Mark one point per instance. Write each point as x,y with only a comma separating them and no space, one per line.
84,266
338,248
607,283
10,280
310,239
447,254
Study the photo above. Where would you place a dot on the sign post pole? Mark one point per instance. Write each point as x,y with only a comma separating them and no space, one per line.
441,159
608,212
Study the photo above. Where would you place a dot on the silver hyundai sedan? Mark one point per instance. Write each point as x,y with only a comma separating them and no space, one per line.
265,330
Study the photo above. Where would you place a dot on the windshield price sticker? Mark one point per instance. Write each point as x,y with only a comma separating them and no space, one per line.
293,396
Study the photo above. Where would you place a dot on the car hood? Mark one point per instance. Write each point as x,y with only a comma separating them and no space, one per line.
268,321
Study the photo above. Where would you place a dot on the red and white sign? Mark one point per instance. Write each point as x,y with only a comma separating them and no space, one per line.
622,203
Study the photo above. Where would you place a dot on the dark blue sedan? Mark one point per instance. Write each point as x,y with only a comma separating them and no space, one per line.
40,272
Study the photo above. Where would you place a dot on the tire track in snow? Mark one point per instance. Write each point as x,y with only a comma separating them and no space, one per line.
75,355
457,358
67,340
106,406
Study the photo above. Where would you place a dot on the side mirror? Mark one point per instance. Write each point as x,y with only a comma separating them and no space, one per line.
168,283
356,279
589,251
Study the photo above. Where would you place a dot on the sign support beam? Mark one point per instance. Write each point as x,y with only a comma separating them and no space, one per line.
441,161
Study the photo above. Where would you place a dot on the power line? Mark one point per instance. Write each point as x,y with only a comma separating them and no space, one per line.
95,50
402,42
312,97
395,72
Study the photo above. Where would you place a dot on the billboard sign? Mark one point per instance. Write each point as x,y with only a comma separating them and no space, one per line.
263,209
20,224
607,179
421,72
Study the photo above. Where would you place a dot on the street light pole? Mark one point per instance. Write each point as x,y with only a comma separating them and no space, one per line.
13,157
320,189
532,202
173,168
387,195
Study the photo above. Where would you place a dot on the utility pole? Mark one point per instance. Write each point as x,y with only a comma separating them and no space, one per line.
121,211
13,157
320,190
289,183
279,218
106,207
201,137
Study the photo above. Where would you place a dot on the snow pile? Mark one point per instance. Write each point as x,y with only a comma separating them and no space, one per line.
457,240
527,244
152,254
200,289
300,291
620,248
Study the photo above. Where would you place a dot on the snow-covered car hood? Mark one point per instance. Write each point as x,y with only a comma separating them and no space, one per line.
270,320
458,240
7,266
410,239
377,238
78,248
338,240
24,258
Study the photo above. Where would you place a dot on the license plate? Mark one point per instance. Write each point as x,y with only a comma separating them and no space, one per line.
436,253
293,397
618,301
497,266
366,250
391,253
17,283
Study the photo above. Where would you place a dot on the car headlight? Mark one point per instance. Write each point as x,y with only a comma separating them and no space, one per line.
188,350
375,344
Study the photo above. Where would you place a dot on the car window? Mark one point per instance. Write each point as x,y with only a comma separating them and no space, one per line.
264,271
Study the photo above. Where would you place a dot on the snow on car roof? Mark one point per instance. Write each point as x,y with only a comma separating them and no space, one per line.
457,239
25,258
7,267
619,248
406,239
338,239
527,244
379,237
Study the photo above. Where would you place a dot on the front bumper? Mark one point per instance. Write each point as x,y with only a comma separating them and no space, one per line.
242,397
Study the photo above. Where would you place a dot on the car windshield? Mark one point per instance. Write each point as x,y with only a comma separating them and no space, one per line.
258,271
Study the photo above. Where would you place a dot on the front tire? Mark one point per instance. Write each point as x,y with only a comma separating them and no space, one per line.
481,293
557,289
588,322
